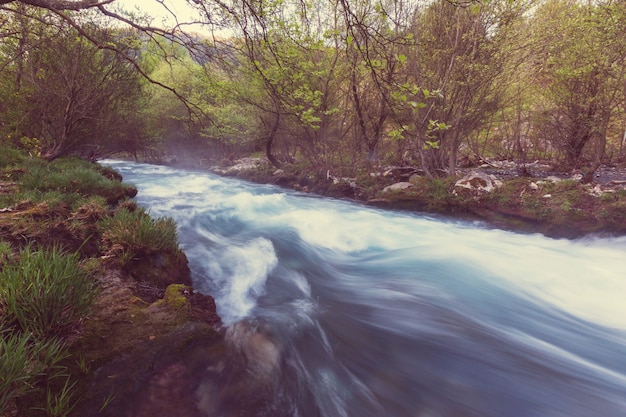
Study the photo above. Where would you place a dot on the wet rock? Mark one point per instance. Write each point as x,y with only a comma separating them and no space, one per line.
261,353
160,268
148,360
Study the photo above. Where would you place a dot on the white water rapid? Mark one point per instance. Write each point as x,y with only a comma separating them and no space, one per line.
381,313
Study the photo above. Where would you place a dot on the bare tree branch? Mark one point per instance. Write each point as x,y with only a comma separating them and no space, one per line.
192,108
61,4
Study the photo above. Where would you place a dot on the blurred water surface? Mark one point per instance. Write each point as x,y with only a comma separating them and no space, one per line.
379,313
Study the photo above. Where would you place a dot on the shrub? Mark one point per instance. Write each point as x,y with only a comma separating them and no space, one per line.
45,293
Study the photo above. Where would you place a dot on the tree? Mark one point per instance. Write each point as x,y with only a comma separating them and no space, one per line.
457,71
580,55
74,97
60,4
283,49
375,36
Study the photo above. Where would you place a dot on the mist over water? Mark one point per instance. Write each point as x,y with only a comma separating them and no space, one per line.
378,313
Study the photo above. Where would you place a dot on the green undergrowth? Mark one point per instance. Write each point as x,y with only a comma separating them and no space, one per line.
60,222
44,296
565,208
45,293
133,232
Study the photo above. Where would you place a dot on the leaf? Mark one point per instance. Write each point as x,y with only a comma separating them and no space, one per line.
431,145
417,105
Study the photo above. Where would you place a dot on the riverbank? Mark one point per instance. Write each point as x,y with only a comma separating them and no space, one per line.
556,204
119,323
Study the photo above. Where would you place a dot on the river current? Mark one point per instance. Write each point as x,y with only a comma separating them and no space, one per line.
382,313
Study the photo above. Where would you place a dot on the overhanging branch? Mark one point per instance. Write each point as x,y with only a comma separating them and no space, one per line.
191,107
61,4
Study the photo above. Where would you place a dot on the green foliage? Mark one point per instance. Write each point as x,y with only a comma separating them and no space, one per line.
454,78
69,96
580,54
438,190
130,233
45,293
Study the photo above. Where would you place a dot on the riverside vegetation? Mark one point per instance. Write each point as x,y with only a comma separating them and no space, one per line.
560,207
86,277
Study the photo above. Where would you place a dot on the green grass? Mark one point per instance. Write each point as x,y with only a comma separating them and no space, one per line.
10,157
25,363
135,232
70,177
67,179
45,293
5,252
52,199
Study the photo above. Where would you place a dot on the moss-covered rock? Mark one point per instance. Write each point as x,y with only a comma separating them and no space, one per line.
132,349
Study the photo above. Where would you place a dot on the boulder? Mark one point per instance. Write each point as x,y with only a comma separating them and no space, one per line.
397,187
478,182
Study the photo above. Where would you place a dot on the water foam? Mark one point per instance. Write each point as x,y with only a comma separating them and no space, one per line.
242,272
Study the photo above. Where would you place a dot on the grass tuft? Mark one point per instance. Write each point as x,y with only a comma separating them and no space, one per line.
45,293
25,362
131,233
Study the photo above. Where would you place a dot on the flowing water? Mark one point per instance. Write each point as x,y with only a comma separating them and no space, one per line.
366,312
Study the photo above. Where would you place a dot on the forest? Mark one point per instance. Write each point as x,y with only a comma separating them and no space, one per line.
333,84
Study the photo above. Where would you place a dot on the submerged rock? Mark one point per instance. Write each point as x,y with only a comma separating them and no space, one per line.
261,353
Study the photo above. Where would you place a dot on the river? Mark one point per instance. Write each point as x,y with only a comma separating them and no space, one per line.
381,313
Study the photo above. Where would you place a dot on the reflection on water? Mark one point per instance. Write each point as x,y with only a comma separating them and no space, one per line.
340,310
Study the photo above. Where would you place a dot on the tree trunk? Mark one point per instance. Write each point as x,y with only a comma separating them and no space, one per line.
21,48
270,139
